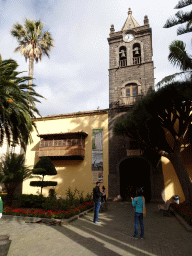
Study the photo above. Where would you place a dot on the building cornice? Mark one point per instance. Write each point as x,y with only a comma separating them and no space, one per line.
71,115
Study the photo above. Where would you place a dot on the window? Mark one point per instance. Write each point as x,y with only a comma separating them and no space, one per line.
128,94
122,56
41,144
136,54
131,93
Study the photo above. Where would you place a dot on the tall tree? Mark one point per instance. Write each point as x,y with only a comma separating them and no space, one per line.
17,104
33,41
161,124
180,18
178,55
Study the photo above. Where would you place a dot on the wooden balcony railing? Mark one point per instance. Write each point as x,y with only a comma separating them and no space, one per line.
65,148
74,151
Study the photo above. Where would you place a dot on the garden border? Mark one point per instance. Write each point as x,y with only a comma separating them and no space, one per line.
181,220
44,220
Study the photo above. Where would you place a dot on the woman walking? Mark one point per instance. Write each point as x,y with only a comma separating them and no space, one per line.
139,207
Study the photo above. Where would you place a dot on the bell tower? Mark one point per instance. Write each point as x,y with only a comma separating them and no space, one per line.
131,76
131,71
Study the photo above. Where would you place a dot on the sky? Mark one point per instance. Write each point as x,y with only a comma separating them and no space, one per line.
75,77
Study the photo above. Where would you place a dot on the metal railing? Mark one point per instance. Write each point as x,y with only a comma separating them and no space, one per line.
123,63
130,100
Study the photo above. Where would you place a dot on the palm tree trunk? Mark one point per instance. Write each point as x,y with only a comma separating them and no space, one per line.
183,176
31,66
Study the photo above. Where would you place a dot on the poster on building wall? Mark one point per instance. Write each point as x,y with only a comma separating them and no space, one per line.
97,155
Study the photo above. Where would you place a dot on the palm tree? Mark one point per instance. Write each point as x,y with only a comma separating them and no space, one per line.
180,18
177,49
17,104
33,42
13,172
178,55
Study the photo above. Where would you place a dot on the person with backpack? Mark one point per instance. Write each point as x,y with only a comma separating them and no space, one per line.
138,204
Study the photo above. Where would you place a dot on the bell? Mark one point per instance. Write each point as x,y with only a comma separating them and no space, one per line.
123,53
136,50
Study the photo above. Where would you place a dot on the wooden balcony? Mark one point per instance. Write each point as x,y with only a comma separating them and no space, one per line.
69,146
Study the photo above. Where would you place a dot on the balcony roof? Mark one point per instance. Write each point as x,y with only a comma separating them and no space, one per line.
62,135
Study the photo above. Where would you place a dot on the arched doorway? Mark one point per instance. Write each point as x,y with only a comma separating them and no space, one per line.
134,173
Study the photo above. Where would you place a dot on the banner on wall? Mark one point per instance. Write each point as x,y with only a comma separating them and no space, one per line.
97,155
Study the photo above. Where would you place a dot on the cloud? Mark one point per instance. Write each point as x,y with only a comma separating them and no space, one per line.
75,78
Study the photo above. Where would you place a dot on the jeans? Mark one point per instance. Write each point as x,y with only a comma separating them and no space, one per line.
96,211
138,217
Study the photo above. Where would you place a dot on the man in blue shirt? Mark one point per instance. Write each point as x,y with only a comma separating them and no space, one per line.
140,211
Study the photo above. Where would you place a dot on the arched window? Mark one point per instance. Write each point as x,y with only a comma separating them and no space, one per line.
131,93
136,54
122,56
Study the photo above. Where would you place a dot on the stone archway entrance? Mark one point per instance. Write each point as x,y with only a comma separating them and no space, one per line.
134,173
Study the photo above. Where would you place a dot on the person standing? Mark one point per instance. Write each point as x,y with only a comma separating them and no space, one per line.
103,191
97,200
139,207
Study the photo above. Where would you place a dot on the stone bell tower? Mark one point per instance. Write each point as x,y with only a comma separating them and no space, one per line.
131,76
131,71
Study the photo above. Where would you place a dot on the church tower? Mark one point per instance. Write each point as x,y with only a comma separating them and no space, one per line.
131,71
131,76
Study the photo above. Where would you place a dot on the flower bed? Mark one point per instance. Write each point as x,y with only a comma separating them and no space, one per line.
183,211
49,213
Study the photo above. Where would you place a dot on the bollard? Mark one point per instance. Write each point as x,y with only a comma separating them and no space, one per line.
4,245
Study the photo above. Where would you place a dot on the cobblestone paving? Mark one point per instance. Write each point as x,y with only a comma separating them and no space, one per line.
164,236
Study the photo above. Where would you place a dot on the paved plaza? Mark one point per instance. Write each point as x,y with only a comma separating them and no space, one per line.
163,235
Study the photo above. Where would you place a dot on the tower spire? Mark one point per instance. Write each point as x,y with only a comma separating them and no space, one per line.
130,21
129,11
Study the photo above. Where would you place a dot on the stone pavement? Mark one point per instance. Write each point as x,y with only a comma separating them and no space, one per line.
163,235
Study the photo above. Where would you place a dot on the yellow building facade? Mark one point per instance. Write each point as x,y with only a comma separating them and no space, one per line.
172,185
77,168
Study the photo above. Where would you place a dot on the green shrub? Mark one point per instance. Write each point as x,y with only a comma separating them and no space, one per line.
89,197
30,201
52,193
56,204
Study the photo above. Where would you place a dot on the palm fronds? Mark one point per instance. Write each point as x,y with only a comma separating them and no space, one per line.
17,104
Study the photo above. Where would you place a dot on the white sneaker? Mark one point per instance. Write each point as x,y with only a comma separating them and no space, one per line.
98,222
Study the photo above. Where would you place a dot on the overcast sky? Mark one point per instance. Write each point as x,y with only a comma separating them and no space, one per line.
75,78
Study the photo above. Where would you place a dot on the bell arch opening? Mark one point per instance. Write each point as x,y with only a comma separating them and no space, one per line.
122,56
134,173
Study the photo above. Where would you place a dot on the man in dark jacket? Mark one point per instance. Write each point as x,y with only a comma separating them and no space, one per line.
97,200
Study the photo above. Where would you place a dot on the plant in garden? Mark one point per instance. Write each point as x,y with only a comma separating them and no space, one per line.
13,172
44,167
58,214
52,193
30,201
